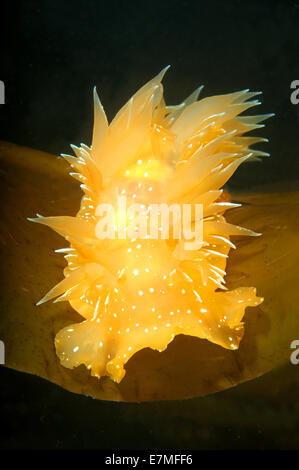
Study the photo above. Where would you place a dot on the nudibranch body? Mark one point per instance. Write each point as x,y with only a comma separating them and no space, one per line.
138,292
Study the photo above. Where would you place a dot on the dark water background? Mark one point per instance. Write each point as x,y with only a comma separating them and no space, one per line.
52,54
55,52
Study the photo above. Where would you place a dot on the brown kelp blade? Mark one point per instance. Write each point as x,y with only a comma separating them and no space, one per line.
33,181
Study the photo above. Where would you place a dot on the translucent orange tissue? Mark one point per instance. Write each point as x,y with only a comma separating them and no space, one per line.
133,297
135,293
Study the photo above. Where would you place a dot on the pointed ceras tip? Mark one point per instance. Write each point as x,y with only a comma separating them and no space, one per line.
160,75
96,96
74,148
199,90
35,219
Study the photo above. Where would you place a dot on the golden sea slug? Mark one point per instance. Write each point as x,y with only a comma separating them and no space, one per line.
138,292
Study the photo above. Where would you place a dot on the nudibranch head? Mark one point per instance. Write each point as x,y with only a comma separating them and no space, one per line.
142,291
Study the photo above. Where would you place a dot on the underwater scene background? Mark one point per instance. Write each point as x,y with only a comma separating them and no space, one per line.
52,54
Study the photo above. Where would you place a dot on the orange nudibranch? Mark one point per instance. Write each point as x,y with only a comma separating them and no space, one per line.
136,293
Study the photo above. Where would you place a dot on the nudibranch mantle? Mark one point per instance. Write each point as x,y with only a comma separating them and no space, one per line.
139,293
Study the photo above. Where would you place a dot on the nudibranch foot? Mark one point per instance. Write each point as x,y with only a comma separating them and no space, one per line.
138,292
105,346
